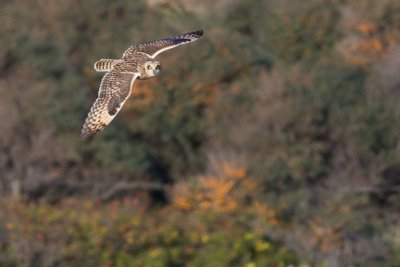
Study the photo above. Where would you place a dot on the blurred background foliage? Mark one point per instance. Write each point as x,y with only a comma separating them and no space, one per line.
272,141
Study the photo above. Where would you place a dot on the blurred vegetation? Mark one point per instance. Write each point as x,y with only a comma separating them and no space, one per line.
121,233
272,141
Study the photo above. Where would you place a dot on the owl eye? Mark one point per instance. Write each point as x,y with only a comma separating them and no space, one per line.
158,67
148,67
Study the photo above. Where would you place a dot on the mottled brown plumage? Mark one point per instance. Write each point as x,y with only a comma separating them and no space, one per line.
156,47
115,88
137,62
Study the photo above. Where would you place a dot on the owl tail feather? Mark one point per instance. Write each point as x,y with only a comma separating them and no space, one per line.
104,65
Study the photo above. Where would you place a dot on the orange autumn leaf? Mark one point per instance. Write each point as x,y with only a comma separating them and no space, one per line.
226,191
365,27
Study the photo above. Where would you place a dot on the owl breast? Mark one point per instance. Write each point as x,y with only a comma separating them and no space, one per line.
143,76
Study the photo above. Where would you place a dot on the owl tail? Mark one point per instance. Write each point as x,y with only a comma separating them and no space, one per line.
104,65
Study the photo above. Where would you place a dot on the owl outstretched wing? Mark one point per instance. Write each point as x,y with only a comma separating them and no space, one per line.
156,47
115,88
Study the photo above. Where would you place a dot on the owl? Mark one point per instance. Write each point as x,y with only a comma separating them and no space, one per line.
137,62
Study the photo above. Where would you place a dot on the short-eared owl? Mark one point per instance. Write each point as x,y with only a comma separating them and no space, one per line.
138,62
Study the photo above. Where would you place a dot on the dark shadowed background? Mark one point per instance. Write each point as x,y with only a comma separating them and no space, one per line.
274,140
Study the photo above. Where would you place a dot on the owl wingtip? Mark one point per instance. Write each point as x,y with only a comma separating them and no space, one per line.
85,134
199,32
196,34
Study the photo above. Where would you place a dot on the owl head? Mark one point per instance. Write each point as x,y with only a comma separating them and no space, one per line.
151,68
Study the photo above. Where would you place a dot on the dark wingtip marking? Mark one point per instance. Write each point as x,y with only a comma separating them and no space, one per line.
199,33
188,37
86,134
196,34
